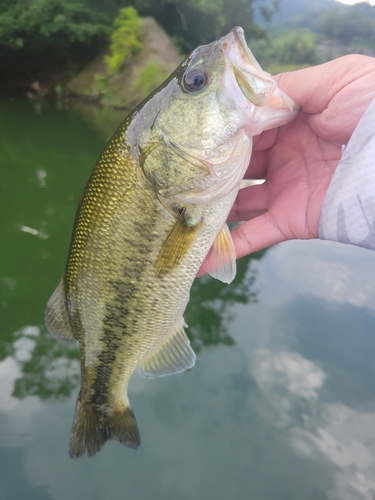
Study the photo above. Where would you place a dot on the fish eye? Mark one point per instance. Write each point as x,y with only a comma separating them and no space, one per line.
195,79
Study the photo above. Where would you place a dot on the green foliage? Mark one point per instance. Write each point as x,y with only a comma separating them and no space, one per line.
42,37
196,22
287,52
58,89
101,84
296,48
347,25
149,78
342,23
125,40
106,94
43,22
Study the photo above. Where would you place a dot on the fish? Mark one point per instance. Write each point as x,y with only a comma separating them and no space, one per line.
155,205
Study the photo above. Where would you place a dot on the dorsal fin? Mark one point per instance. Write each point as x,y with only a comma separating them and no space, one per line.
174,355
220,262
56,315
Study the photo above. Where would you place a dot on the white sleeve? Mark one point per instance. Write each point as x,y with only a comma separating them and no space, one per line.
348,213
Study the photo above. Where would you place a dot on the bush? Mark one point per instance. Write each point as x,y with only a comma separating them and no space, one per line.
126,40
287,52
150,77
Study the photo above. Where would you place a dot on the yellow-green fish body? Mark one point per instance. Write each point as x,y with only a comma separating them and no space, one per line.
155,205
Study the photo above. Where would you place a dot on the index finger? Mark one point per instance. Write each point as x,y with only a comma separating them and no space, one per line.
313,88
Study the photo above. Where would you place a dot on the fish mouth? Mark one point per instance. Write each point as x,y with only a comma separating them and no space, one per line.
239,51
255,84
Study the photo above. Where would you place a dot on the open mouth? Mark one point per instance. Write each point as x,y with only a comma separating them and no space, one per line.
246,88
255,84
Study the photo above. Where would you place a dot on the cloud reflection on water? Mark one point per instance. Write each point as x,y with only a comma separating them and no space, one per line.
330,271
317,430
281,403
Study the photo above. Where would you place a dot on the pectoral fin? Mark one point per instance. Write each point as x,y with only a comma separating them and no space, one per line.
178,242
174,355
56,315
221,260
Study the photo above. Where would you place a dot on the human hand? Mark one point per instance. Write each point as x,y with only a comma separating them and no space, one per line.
298,160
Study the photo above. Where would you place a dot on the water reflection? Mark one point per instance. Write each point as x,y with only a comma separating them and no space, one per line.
210,309
48,177
289,386
315,375
49,368
291,398
287,411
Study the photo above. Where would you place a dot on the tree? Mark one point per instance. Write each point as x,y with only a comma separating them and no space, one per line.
289,51
44,39
40,38
345,25
196,22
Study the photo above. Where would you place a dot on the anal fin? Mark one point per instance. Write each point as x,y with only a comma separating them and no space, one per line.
174,355
56,315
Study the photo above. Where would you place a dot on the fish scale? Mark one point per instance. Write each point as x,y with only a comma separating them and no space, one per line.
154,208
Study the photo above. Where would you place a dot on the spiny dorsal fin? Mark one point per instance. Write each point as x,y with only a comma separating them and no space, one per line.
178,242
57,317
174,355
221,260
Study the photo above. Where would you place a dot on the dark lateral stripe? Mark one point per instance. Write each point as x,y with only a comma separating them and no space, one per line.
118,322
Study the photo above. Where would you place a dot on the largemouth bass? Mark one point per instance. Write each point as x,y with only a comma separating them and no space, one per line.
155,205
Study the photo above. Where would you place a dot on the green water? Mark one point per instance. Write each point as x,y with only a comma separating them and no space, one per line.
281,402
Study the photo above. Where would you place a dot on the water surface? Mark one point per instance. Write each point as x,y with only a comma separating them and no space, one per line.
281,402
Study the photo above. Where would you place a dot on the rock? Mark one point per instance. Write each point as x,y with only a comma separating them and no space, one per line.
139,76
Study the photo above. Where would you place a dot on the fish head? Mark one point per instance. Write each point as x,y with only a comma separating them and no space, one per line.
215,102
245,85
222,89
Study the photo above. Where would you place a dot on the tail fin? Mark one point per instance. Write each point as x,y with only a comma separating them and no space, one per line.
93,427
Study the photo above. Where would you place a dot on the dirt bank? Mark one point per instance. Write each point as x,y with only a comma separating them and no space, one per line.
139,76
